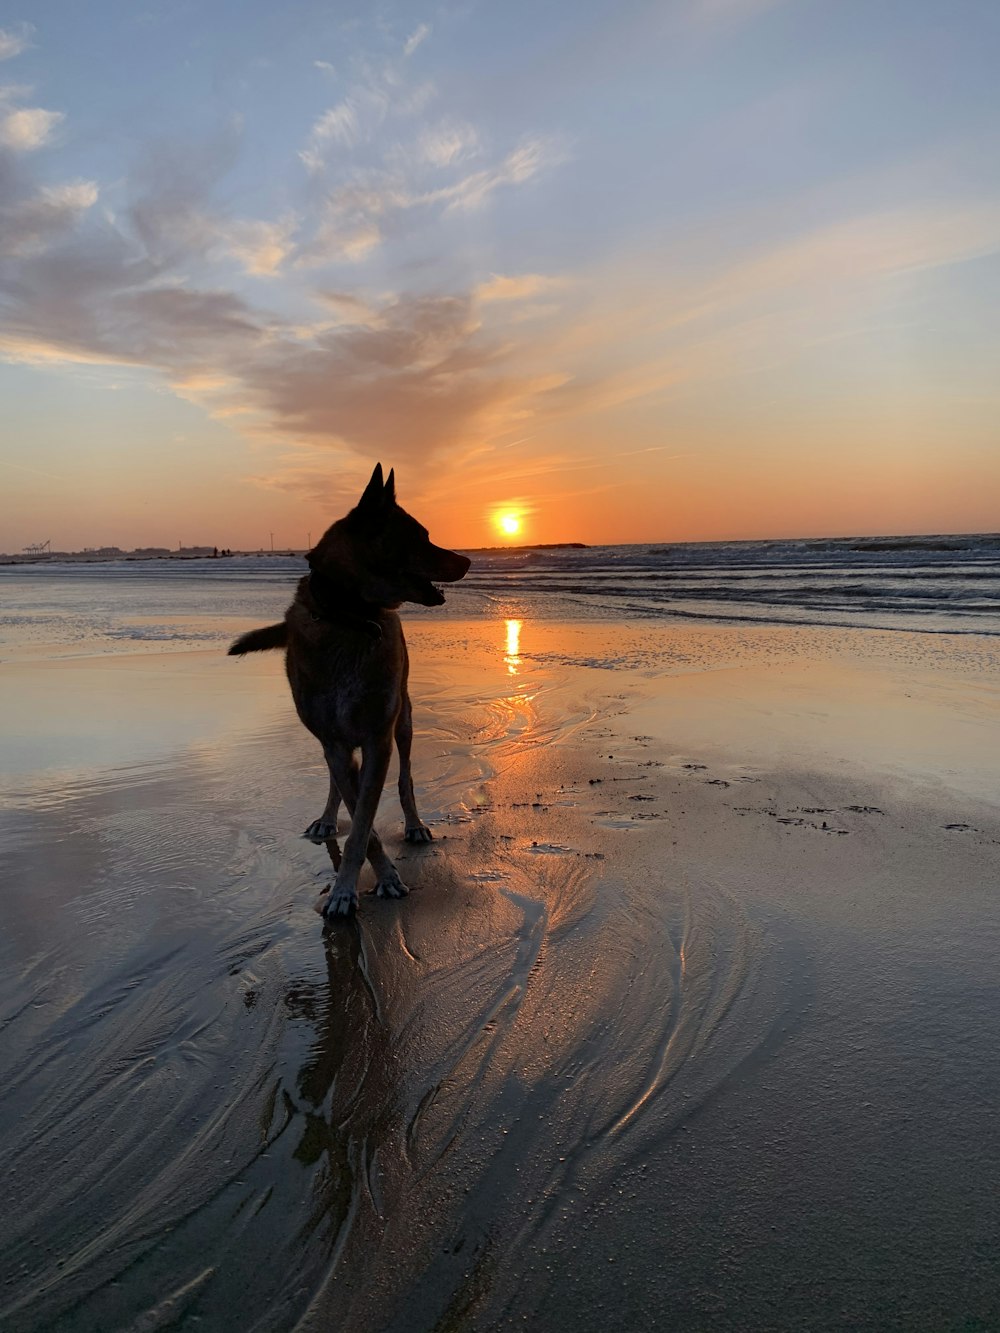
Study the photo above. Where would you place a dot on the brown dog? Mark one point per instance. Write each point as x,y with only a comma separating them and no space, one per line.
347,666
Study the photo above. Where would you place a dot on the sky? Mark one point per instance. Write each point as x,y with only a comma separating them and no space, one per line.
688,270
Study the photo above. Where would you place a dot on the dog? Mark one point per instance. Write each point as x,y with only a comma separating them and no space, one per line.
347,666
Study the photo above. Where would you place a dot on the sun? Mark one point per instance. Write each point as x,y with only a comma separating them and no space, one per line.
509,524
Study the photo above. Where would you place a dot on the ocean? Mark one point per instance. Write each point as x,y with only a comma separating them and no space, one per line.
933,584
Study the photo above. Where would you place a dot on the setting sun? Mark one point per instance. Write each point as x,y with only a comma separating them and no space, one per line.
509,524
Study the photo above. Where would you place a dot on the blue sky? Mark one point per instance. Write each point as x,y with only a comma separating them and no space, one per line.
703,268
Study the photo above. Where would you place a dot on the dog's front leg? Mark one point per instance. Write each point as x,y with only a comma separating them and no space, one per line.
361,793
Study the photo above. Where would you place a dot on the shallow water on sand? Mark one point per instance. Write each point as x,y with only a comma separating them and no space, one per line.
645,1048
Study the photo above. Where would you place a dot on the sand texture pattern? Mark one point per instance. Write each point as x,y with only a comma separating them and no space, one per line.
689,1022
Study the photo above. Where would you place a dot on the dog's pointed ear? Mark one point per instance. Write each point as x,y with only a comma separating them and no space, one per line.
371,501
390,487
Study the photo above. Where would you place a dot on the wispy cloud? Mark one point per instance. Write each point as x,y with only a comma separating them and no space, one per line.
419,35
519,288
14,40
332,480
354,216
857,250
261,247
376,91
520,165
447,143
341,124
652,340
343,234
348,307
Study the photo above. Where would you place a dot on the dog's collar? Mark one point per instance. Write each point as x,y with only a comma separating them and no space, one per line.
336,604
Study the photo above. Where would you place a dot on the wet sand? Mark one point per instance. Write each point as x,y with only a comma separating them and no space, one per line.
689,1021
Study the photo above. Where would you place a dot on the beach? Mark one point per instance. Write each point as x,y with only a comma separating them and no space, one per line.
644,358
688,1022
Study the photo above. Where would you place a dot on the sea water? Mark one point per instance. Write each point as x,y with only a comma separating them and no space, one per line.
933,584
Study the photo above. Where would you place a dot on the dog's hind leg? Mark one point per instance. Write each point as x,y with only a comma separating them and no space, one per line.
361,794
414,829
326,826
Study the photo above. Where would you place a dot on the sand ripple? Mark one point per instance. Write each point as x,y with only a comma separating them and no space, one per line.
212,1110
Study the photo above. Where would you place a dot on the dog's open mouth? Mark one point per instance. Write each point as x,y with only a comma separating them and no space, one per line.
427,593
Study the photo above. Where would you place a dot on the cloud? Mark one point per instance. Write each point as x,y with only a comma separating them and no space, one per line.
173,325
500,288
342,234
113,291
759,313
139,283
874,245
261,247
72,309
380,89
420,375
418,371
428,372
27,128
171,210
28,224
419,34
340,123
354,120
520,165
350,308
334,482
356,216
447,143
14,40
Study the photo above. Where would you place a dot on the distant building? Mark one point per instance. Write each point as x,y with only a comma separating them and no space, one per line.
196,550
150,552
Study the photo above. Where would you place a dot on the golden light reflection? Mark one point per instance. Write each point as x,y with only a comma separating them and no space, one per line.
513,654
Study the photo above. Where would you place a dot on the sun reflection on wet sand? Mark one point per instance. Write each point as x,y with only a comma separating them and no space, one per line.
512,656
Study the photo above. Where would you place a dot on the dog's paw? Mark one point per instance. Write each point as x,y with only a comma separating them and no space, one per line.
336,904
321,829
418,833
391,886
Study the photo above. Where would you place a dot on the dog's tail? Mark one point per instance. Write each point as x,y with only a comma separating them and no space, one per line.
259,640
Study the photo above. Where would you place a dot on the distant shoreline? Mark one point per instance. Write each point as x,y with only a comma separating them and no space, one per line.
529,546
95,558
876,544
